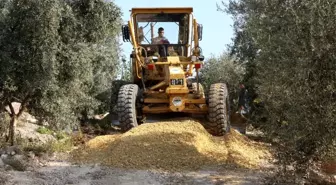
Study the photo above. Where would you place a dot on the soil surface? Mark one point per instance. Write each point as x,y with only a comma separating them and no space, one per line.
60,173
59,169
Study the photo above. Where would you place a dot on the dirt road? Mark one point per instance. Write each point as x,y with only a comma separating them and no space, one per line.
61,173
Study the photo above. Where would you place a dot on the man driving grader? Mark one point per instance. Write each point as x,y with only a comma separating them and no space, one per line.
160,38
163,82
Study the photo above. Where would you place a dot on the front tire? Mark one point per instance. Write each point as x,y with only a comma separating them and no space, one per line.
218,116
126,106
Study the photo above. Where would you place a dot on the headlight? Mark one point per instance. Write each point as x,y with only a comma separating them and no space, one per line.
177,101
155,58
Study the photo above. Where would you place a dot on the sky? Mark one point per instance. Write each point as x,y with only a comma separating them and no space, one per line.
217,25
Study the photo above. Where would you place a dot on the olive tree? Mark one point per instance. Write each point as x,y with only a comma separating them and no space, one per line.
294,73
223,68
56,57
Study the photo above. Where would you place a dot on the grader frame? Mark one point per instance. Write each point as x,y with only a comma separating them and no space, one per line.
163,74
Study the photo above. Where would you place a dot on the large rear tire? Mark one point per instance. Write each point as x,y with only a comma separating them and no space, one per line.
116,84
218,113
127,106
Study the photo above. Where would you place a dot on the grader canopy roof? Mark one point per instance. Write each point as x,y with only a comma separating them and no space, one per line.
175,21
187,10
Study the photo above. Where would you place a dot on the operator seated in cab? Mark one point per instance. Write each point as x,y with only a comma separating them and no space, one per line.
160,39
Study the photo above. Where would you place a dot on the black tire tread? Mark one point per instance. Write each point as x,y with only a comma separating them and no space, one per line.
218,117
126,106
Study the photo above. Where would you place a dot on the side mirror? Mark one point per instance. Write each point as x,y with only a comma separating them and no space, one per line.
200,31
125,33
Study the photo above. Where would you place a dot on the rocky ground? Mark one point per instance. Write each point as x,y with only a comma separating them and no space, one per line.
61,172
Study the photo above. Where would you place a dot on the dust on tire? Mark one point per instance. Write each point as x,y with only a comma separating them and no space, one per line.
126,106
218,114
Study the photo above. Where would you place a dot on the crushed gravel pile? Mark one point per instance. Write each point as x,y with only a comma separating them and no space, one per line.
172,146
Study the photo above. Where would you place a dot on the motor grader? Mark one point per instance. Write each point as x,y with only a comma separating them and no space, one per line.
165,75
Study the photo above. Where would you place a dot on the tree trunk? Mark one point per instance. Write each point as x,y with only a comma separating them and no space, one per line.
14,117
12,127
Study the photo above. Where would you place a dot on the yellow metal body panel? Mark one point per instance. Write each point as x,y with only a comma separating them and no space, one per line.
165,92
155,110
188,10
176,72
158,99
173,60
162,103
166,109
177,90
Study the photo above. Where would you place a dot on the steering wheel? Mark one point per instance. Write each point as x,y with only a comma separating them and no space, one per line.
165,41
163,49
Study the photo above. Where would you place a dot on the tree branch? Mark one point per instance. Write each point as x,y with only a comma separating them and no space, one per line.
11,108
23,104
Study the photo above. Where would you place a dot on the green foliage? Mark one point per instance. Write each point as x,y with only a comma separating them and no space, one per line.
61,135
125,70
243,46
63,145
223,69
44,130
37,149
58,55
4,120
295,73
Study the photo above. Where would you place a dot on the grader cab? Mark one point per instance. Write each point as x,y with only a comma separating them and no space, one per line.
165,70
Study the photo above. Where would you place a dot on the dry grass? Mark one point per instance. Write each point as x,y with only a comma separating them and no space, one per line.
172,146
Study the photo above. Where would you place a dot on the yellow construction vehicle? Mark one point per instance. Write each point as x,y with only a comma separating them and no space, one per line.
165,71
